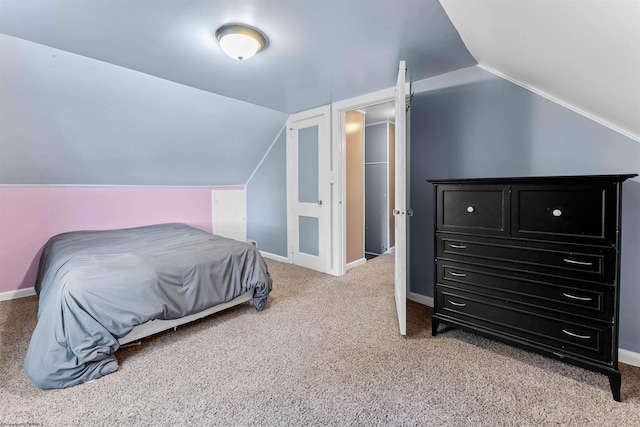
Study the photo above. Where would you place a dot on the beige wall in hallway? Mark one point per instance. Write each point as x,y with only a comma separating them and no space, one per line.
354,127
392,183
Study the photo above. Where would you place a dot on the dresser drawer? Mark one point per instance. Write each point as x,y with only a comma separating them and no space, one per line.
480,209
562,296
580,262
590,340
571,213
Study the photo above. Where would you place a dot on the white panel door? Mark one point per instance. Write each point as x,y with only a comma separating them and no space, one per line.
401,203
229,214
308,152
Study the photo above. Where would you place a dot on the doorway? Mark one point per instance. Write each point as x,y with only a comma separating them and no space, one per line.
399,96
369,135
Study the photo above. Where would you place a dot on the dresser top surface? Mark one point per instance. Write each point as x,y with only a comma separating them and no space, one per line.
568,179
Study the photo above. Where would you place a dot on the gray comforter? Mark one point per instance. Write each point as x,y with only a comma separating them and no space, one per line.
95,286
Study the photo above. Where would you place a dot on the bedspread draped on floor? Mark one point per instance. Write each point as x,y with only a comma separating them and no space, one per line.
95,286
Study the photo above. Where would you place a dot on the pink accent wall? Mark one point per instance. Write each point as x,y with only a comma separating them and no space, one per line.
29,216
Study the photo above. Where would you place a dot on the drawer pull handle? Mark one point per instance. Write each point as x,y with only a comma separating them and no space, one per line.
557,212
471,209
453,273
577,298
457,304
451,245
571,334
571,261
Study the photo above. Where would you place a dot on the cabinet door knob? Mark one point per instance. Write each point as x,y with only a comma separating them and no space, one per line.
471,209
557,212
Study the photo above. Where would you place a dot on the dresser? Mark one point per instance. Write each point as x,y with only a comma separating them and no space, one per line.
533,262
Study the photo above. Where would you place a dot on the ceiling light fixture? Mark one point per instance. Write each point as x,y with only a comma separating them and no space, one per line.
240,41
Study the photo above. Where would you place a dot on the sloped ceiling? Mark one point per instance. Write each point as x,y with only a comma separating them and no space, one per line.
319,50
138,92
69,119
585,54
582,53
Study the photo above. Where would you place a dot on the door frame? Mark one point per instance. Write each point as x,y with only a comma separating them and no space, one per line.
325,180
338,110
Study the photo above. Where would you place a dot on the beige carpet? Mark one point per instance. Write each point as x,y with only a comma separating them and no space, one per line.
326,351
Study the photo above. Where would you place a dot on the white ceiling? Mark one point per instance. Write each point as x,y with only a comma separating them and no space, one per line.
319,50
385,112
584,54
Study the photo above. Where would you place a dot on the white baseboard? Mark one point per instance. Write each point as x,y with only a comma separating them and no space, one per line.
421,299
628,357
19,293
356,263
275,257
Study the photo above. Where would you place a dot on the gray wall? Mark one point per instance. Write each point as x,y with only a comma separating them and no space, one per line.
376,189
376,141
69,119
470,123
267,201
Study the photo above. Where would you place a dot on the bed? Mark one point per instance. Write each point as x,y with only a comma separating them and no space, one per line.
101,289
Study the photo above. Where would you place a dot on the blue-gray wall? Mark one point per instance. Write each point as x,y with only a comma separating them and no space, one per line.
376,142
470,123
69,119
376,189
267,201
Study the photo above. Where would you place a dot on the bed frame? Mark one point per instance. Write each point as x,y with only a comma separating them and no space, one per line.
154,326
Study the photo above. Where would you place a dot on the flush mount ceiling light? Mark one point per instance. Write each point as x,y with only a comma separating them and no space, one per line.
240,41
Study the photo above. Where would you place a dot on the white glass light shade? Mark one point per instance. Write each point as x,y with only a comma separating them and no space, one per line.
239,46
240,42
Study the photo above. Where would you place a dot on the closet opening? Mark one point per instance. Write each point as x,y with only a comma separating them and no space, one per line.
369,182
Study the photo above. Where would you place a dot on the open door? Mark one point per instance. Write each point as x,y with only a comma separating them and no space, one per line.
401,212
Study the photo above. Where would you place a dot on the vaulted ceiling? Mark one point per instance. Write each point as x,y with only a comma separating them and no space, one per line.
144,86
319,50
584,54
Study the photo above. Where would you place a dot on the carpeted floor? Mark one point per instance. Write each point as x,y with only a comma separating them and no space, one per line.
326,351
